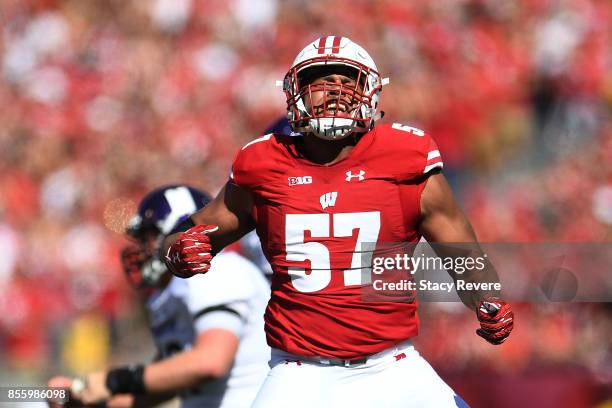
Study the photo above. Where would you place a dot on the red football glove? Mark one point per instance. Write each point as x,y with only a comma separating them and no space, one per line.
496,320
190,254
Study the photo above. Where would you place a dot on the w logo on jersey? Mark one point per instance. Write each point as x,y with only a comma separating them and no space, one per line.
328,199
360,176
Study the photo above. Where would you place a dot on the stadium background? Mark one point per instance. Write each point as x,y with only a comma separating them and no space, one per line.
100,101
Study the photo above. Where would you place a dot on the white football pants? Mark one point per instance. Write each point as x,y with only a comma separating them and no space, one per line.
396,377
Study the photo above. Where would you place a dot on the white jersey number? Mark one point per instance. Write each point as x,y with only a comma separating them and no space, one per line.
319,275
409,129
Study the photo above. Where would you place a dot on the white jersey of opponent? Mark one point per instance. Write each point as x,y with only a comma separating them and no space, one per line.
233,295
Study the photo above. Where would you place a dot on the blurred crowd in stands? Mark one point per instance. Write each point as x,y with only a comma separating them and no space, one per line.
103,100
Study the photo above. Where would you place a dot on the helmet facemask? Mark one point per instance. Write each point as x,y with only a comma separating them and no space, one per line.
152,271
331,110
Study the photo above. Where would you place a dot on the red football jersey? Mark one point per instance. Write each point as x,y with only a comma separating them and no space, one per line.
312,220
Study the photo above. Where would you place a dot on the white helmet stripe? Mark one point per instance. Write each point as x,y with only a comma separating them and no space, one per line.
181,203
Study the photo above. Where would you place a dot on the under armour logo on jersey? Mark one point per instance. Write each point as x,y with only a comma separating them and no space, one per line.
328,199
360,176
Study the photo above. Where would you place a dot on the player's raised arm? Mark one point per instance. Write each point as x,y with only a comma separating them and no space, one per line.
442,218
226,219
443,221
231,212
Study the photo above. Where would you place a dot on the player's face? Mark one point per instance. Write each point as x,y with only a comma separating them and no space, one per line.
332,93
149,241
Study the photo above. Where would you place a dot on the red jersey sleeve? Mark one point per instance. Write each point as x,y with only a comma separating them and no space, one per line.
433,159
246,169
410,153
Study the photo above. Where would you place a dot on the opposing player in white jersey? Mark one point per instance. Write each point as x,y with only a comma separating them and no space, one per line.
208,330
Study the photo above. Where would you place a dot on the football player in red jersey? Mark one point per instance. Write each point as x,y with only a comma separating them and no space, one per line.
315,198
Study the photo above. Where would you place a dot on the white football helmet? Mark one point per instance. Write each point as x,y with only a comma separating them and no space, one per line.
345,108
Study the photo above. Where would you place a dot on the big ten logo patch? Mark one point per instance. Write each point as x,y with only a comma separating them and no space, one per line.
296,181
